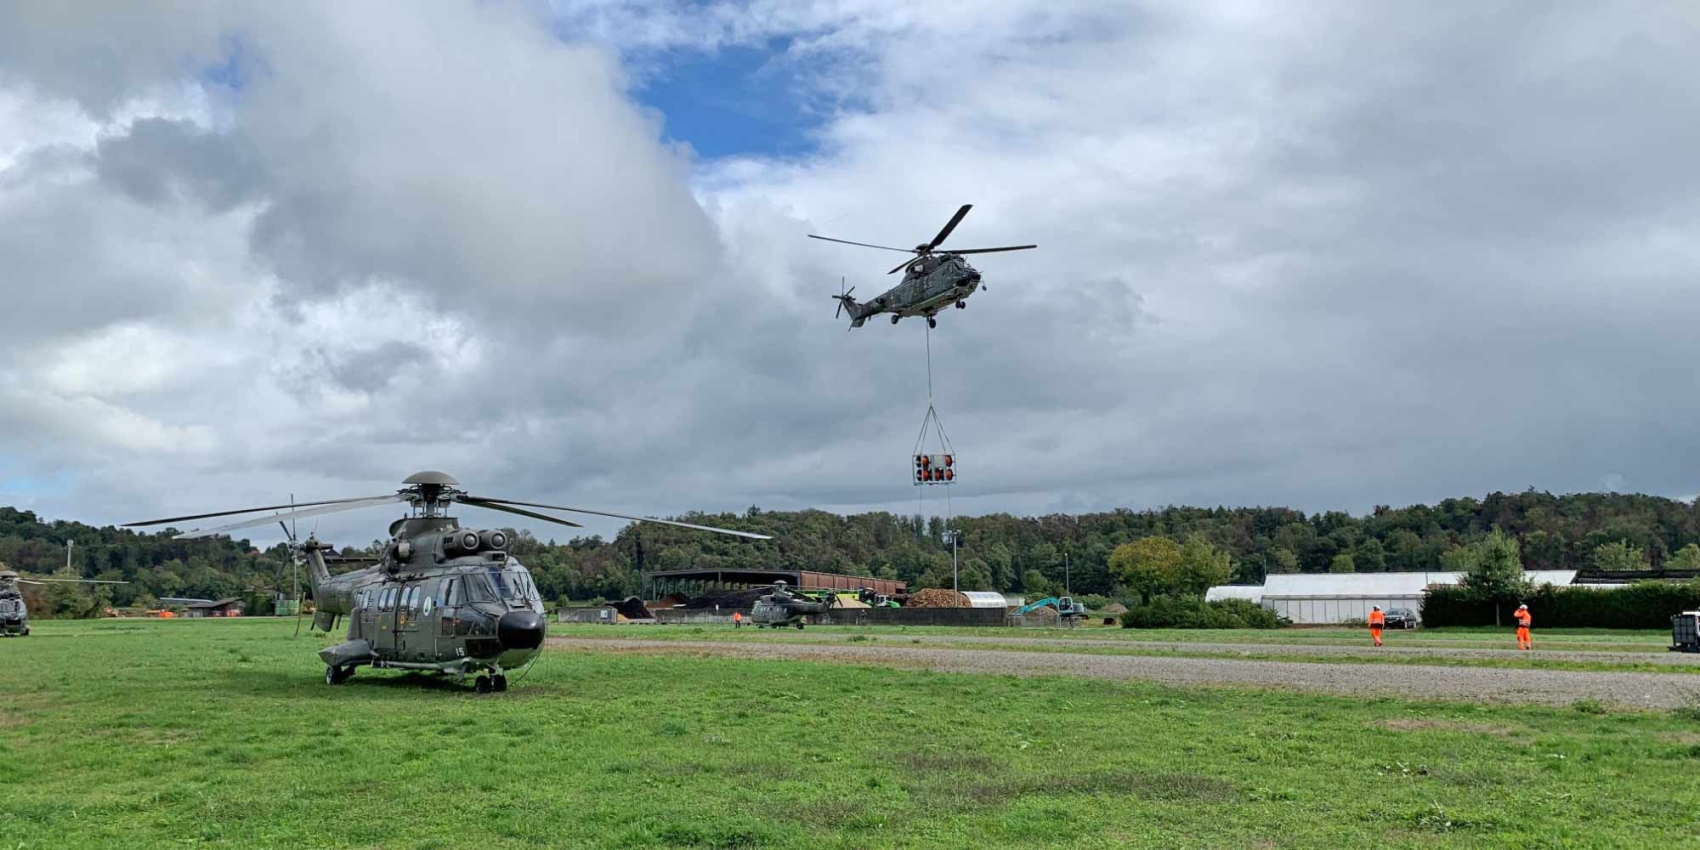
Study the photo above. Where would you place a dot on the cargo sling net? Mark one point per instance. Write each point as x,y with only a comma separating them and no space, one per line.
935,468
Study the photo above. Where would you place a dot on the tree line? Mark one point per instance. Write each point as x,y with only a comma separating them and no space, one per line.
1029,555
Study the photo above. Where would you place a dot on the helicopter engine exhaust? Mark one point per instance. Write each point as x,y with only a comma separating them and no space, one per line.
460,543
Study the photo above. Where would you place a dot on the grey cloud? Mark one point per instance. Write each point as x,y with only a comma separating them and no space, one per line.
164,161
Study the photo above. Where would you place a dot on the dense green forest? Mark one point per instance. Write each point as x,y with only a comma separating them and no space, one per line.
998,551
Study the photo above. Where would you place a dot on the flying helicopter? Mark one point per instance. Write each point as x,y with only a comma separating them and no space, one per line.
783,608
14,614
442,599
932,280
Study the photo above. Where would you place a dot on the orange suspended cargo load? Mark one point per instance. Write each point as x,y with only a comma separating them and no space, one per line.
934,469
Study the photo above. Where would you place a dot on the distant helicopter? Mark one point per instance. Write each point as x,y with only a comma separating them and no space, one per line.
783,608
14,614
932,281
441,599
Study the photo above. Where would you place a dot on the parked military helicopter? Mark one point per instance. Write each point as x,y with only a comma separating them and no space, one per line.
933,280
783,608
14,614
442,598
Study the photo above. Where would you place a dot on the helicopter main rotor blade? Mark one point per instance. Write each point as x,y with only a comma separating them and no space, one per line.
989,250
862,244
489,499
348,505
68,581
480,503
900,267
949,226
291,506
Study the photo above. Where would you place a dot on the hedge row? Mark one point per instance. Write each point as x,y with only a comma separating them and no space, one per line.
1166,613
1643,605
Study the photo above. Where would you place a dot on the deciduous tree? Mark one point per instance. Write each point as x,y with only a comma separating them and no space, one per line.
1149,566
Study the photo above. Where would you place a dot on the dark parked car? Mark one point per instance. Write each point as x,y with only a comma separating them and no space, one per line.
1401,618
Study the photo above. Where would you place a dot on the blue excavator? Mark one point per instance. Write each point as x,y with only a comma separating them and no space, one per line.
1067,608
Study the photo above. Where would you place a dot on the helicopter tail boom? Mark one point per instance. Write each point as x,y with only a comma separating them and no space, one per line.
858,312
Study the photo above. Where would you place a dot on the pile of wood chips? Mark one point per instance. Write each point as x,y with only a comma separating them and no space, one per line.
937,598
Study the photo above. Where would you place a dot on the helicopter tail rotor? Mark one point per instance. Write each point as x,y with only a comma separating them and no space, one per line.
845,301
294,561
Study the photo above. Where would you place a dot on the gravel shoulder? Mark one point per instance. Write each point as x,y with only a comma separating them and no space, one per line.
1017,639
1367,651
1406,681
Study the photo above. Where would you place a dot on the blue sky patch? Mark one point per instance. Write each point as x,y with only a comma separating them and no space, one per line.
732,101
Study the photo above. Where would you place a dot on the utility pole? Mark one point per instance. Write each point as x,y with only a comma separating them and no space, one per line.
68,545
955,537
1065,575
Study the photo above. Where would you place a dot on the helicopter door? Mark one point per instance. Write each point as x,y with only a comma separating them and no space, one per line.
407,622
450,596
357,618
383,639
367,616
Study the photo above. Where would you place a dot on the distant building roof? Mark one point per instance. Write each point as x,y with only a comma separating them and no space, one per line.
1382,584
213,604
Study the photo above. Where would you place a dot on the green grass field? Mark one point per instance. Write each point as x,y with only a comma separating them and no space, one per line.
166,734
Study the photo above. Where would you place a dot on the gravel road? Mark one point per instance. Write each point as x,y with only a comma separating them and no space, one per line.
1410,681
1674,659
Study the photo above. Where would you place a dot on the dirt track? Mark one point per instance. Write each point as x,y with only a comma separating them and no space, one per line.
1410,681
1363,650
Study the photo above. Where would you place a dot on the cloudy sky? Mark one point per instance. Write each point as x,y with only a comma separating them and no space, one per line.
1326,255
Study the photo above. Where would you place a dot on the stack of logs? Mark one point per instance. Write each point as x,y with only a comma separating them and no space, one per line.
937,598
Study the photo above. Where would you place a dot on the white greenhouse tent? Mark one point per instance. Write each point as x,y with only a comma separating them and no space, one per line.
1331,598
984,599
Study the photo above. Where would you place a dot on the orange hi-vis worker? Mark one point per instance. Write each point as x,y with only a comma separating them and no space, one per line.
1377,621
737,619
1523,621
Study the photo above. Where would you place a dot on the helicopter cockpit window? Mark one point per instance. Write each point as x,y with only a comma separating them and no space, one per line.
514,584
8,606
479,588
451,593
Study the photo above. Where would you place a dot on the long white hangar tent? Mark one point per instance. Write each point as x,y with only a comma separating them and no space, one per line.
1330,598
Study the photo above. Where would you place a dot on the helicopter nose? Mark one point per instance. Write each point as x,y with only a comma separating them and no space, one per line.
520,630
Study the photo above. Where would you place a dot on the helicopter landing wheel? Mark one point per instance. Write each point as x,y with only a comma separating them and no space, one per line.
962,305
337,675
894,318
932,322
481,684
499,683
799,625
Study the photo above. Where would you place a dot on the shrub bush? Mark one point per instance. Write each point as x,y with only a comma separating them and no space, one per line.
1164,612
1092,601
1642,605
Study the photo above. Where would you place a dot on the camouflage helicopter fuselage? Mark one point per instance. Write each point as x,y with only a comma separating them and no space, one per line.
930,284
783,608
14,615
442,599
